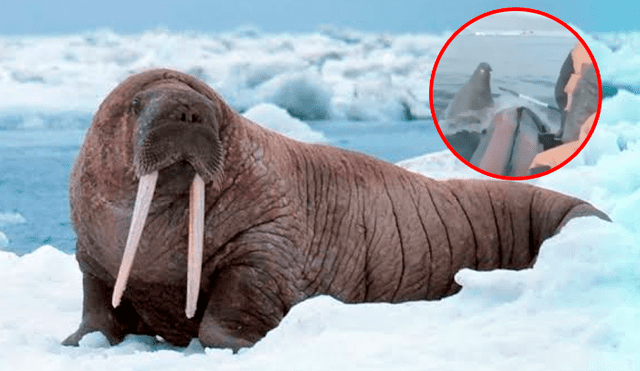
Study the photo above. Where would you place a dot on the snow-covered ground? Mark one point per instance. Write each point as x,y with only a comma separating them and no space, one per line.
576,309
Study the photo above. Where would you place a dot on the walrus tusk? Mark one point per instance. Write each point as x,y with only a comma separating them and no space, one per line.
146,187
196,237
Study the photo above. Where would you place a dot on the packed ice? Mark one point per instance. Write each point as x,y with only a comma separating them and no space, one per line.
331,74
277,119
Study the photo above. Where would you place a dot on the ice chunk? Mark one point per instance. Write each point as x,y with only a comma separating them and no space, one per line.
4,240
11,218
278,119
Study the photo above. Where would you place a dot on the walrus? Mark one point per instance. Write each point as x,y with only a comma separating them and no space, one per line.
232,224
472,100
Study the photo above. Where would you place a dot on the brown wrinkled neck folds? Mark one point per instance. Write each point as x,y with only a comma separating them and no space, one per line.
174,124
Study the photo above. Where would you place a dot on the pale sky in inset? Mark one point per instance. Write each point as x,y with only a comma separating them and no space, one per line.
509,21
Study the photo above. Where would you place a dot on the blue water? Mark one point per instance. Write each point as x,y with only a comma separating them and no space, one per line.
35,167
390,141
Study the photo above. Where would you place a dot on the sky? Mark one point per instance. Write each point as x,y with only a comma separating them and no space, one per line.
29,17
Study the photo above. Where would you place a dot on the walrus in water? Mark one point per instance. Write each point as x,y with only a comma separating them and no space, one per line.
467,116
194,222
474,97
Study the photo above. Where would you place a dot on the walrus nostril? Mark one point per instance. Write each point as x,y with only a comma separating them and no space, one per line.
186,117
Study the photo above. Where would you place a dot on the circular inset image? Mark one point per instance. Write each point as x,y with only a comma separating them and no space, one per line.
515,93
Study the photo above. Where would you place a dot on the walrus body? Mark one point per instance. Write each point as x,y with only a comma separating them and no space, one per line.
283,220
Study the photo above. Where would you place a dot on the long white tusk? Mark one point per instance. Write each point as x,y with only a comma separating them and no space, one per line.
146,187
196,241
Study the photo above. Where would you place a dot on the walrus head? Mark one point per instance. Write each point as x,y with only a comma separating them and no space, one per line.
484,71
176,130
482,84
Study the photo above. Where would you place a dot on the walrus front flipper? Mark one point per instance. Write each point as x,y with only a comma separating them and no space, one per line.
99,315
241,309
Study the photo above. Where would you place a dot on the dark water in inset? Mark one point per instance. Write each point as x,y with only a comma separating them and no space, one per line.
35,167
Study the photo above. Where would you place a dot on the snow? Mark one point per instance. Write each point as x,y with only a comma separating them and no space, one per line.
618,55
576,309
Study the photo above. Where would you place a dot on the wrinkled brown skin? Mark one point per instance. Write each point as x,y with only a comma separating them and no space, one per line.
285,221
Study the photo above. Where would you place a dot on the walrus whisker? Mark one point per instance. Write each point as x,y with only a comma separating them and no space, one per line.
146,187
196,241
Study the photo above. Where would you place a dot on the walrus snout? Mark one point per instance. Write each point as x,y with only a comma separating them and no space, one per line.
174,126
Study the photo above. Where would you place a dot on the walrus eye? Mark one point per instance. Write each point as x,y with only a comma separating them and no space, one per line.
136,106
